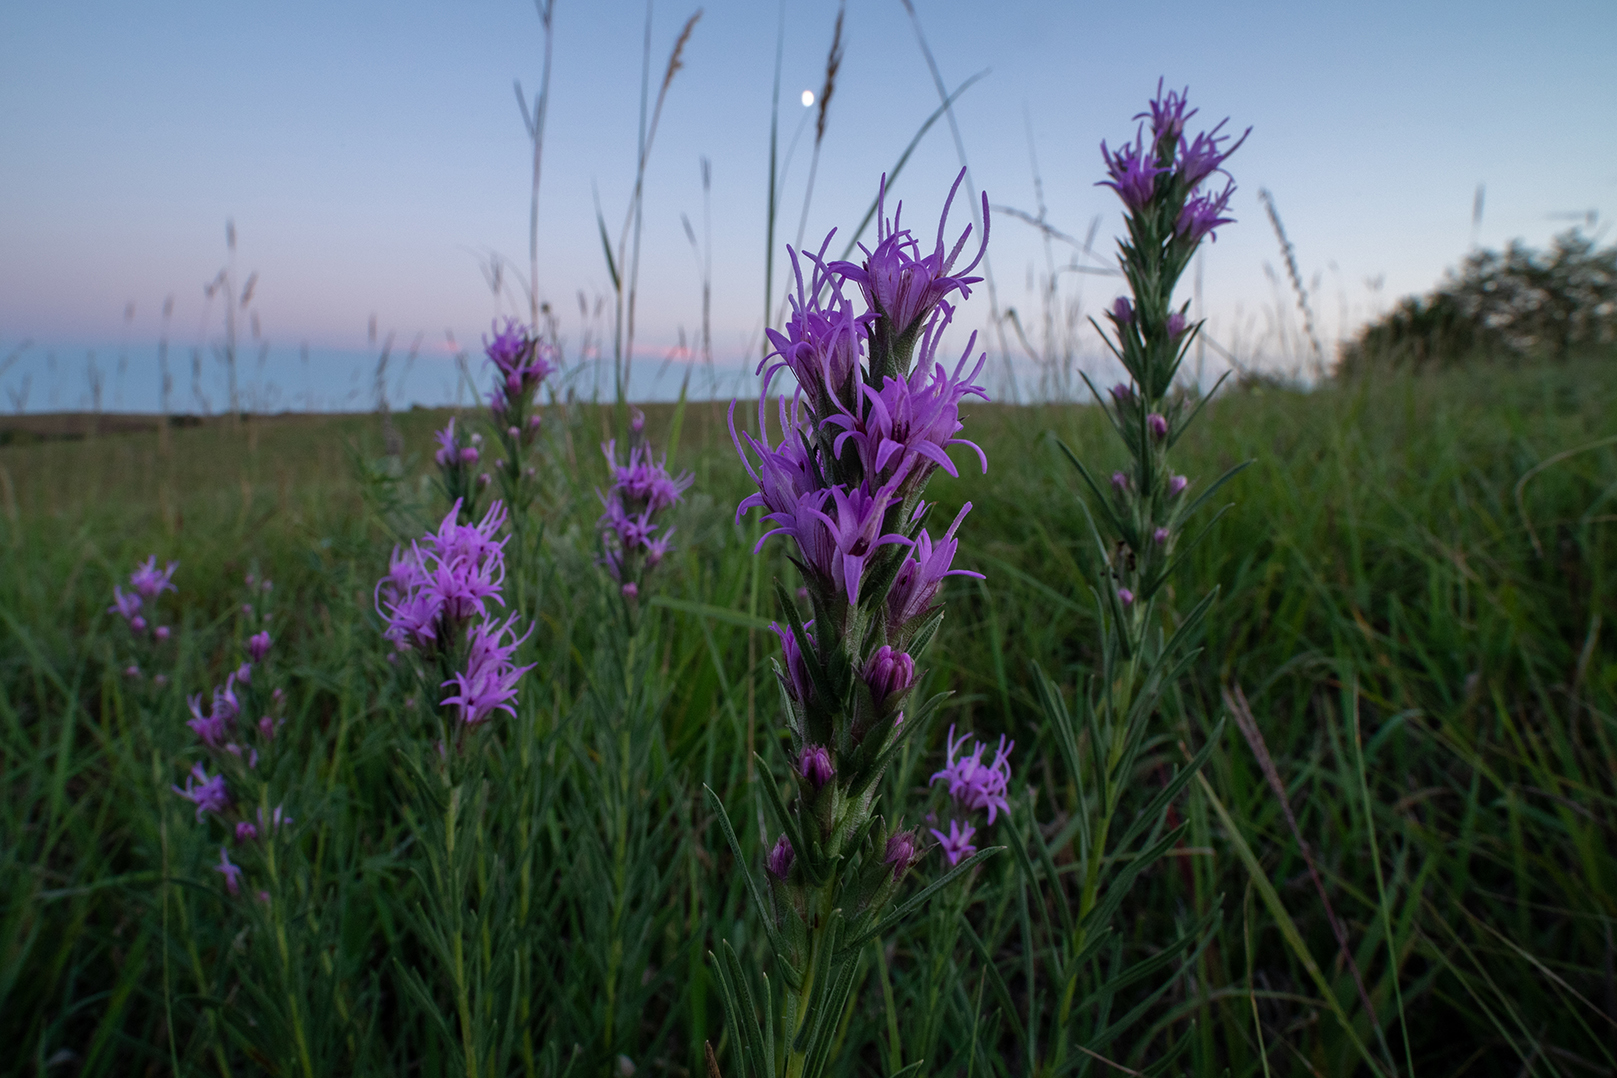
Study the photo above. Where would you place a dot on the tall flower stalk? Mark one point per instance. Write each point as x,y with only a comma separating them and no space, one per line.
873,417
1173,202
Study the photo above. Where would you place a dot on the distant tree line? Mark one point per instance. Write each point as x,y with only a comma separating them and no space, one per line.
1519,304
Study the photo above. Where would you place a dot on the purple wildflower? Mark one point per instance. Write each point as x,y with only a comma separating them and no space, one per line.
1158,425
1123,393
957,843
125,606
258,646
448,451
1203,156
972,783
161,632
490,679
921,575
210,729
779,861
815,765
1176,325
1160,536
246,832
231,873
1134,173
897,280
1177,485
149,582
208,794
798,685
443,579
1202,214
1168,115
1122,313
822,342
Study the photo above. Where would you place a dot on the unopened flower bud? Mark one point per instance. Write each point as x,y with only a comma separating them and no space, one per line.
1123,393
483,480
477,439
244,673
779,861
160,680
631,590
246,832
258,646
1120,482
138,623
815,765
1160,535
900,852
132,671
513,432
469,455
1125,596
1176,326
161,632
1177,485
1123,311
1158,426
889,673
637,420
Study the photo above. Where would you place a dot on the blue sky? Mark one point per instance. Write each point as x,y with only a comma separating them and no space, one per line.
370,153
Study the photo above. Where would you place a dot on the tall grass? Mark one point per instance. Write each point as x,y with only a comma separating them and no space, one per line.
1426,659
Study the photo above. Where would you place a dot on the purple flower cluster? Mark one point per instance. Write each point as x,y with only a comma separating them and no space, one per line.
521,361
974,786
489,682
861,435
1167,169
147,582
641,490
442,581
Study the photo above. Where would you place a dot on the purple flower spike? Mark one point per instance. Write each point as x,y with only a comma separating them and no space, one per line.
972,783
149,582
900,852
208,794
1177,485
957,843
889,673
489,683
1158,425
1134,173
1125,596
258,646
231,873
815,765
779,861
897,280
1202,214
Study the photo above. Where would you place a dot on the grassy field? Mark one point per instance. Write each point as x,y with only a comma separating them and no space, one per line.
1416,593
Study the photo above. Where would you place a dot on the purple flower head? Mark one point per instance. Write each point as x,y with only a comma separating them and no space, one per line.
132,671
469,454
161,632
1158,425
149,582
1125,596
889,673
900,852
643,484
798,684
908,424
1201,157
448,450
1203,214
631,590
637,419
258,646
1168,115
785,473
208,794
245,832
1120,482
1177,485
1122,312
244,673
779,861
921,575
225,702
855,532
489,683
521,359
823,342
972,783
1160,536
231,873
815,765
957,843
125,606
444,578
898,281
1134,173
137,623
267,727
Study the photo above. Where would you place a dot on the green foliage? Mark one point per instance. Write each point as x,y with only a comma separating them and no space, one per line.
1519,303
1436,695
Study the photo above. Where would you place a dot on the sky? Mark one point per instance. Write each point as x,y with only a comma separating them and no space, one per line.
373,159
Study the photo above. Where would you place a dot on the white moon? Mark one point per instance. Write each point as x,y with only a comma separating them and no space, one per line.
808,98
